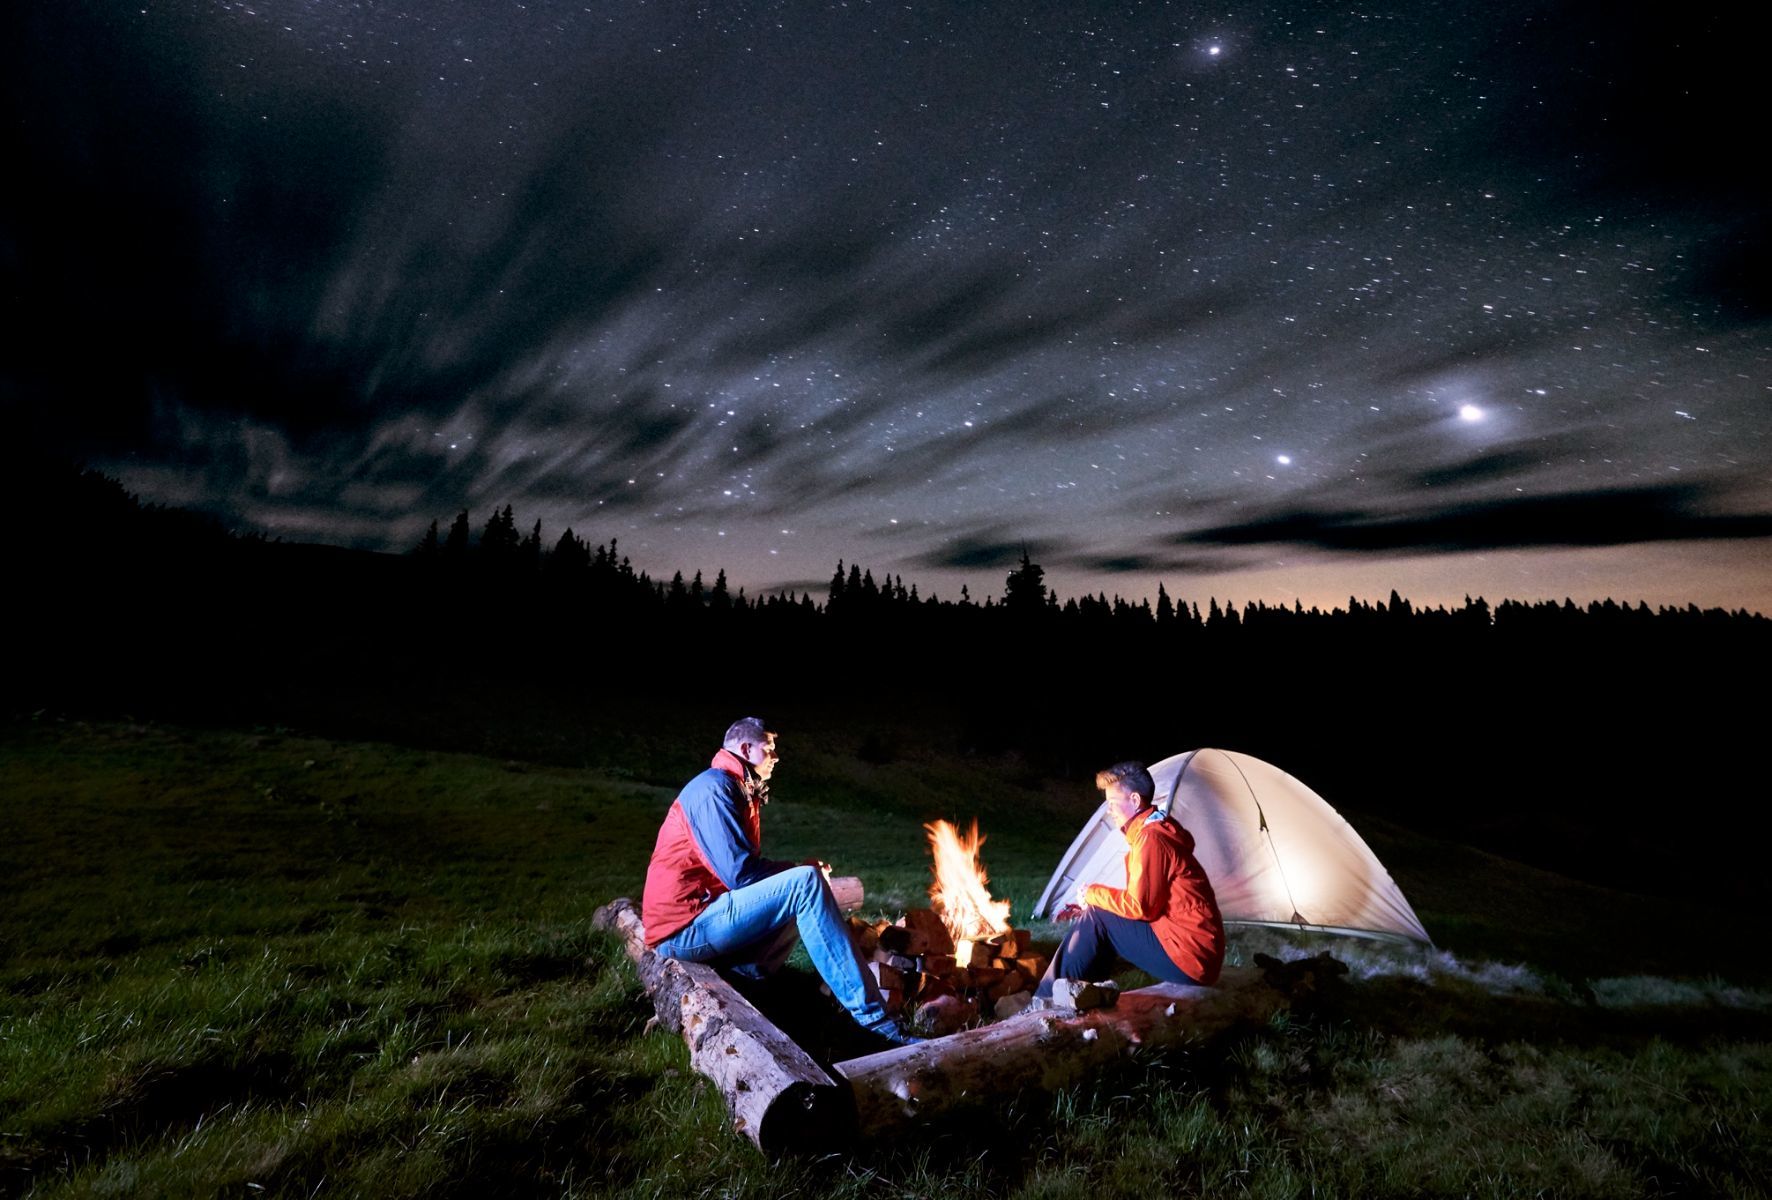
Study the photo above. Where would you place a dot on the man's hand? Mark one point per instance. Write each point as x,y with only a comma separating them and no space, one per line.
813,862
1070,912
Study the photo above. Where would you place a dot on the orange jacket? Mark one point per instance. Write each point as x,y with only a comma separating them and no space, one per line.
1166,886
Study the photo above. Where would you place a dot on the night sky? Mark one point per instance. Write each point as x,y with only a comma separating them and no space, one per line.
1262,301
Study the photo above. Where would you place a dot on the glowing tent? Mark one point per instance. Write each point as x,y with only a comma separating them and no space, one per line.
1275,851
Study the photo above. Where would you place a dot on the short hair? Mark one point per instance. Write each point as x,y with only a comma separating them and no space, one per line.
1133,776
745,729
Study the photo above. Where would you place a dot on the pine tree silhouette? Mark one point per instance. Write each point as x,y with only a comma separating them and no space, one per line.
456,548
499,540
1024,591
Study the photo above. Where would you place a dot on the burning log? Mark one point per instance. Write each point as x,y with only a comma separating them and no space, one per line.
1045,1049
778,1096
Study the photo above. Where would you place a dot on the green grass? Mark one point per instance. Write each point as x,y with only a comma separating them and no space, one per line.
237,963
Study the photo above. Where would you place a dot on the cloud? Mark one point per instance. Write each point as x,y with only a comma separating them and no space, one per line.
1150,563
1604,517
988,547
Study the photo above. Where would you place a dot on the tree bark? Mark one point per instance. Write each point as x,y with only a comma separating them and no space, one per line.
1042,1050
778,1096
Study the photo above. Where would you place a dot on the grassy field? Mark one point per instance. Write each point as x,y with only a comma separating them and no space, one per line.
255,963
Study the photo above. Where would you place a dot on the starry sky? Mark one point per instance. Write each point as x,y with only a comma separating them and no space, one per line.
1264,301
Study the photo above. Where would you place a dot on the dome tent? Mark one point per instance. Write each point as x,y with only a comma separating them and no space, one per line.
1276,852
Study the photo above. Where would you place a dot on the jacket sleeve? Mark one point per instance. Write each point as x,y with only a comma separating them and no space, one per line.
1146,894
715,812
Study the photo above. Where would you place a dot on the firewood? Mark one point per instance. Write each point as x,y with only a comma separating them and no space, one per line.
1010,943
930,925
969,953
864,937
897,962
1013,981
938,964
934,986
902,940
777,1095
984,977
886,975
1032,965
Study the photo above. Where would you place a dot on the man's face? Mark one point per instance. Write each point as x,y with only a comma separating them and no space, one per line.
1123,803
762,756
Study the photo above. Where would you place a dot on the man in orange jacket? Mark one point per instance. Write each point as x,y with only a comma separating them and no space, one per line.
1165,921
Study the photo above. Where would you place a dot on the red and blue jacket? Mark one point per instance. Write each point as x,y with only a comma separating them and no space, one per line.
710,843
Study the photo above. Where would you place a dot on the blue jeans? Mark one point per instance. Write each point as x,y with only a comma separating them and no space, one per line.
751,931
1096,939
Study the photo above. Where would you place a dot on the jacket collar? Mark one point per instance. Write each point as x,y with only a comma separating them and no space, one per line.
746,774
1138,818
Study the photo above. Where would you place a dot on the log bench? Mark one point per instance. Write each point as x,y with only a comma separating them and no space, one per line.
782,1100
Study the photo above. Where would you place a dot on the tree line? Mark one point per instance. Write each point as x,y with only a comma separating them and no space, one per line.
501,554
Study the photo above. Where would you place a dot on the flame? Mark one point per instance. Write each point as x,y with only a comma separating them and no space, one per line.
960,894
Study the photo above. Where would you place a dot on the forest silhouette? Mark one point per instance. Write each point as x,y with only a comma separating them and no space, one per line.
1609,740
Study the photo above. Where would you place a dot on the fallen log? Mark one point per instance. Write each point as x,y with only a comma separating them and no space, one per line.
778,1096
1043,1050
782,1100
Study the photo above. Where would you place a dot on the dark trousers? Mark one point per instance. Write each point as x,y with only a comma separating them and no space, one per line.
1096,939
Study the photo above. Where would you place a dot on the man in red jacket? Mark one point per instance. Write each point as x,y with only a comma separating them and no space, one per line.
712,897
1165,921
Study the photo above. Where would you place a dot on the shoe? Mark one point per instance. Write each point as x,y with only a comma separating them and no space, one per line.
893,1033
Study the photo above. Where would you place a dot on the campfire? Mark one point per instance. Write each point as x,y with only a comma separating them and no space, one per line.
959,961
